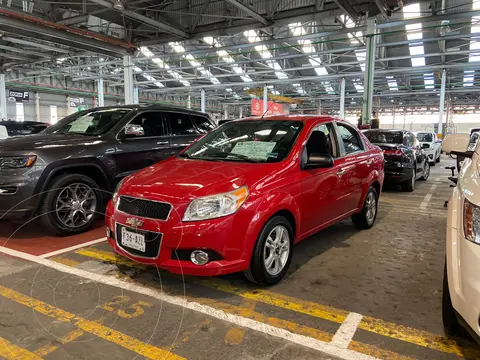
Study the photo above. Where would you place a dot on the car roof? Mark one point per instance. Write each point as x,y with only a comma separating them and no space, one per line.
302,117
154,107
388,130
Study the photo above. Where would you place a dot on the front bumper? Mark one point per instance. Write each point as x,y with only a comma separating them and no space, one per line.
224,236
17,186
463,269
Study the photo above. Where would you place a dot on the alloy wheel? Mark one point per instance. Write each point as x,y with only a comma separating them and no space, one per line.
75,205
276,250
371,207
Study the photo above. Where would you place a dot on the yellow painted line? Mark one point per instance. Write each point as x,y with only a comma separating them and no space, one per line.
391,330
376,352
236,335
11,351
65,261
49,348
109,256
92,327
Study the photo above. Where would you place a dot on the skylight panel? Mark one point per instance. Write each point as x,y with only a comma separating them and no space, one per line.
252,36
354,36
358,87
468,78
392,83
429,80
414,32
160,63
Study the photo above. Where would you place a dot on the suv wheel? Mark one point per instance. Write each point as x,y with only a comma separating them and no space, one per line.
366,218
71,204
272,253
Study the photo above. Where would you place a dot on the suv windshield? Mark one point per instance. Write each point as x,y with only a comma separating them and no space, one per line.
384,137
425,137
93,122
247,141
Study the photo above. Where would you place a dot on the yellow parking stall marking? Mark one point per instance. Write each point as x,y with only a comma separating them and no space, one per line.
92,327
236,335
376,352
11,351
108,256
65,261
391,330
49,348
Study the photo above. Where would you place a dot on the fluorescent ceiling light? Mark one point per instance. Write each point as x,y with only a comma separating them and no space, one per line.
160,63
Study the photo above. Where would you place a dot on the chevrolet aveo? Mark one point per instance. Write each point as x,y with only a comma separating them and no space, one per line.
239,198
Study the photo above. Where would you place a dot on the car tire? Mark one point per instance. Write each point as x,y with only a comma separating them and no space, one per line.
432,163
365,219
437,160
450,322
79,197
409,185
278,232
426,171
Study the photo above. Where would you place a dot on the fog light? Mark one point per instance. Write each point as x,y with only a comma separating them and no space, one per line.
199,257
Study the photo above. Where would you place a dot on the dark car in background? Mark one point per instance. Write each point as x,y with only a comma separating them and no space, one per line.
67,172
405,160
16,128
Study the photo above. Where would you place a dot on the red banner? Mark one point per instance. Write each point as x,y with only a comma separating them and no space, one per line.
272,107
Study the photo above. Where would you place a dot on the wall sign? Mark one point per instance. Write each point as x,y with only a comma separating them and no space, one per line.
76,102
18,95
272,107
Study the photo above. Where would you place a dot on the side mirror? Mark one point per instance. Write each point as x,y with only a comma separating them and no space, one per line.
134,130
317,161
455,142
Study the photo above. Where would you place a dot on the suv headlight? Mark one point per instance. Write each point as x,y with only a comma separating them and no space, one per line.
17,162
215,206
471,222
115,193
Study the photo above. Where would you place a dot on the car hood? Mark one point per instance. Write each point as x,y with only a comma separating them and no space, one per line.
178,179
35,142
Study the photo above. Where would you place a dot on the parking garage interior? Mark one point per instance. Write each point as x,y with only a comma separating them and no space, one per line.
407,66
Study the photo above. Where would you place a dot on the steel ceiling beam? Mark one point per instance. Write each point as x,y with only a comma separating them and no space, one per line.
146,20
74,20
347,8
248,11
34,44
25,52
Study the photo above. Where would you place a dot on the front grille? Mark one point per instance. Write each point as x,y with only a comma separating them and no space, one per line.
144,208
152,242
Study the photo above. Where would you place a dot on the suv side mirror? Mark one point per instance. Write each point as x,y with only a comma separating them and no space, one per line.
317,161
134,130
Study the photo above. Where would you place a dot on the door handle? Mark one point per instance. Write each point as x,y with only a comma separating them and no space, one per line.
162,143
341,172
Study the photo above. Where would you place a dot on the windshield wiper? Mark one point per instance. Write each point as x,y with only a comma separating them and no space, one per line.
238,156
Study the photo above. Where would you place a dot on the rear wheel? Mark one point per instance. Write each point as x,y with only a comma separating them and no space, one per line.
272,253
409,185
366,218
71,205
450,322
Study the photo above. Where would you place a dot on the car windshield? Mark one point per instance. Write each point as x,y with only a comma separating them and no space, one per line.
425,137
247,141
94,122
384,137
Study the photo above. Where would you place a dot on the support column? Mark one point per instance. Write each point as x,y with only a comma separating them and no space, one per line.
319,107
101,99
342,98
265,99
189,102
37,107
3,97
442,102
369,71
240,115
135,95
128,79
225,111
203,102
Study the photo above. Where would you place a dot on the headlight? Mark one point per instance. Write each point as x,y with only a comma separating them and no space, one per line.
115,193
471,222
210,207
17,162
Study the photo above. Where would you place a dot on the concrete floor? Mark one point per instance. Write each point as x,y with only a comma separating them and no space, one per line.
391,276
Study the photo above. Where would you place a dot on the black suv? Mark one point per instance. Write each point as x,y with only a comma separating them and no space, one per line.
66,174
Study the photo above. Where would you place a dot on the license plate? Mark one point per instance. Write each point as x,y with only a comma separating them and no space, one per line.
133,240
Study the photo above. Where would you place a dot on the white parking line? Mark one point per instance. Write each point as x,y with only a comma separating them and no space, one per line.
238,321
427,197
345,332
74,247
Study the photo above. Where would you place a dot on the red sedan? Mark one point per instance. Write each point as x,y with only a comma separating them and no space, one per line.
239,198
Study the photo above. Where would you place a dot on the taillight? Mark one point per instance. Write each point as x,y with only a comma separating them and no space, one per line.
396,152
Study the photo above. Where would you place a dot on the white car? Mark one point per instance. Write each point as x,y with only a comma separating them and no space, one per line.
431,145
461,284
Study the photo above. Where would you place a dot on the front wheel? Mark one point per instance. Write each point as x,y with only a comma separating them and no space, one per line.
366,218
272,253
426,170
71,205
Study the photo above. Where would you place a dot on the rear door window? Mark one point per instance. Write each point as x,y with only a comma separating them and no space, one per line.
180,123
203,124
151,122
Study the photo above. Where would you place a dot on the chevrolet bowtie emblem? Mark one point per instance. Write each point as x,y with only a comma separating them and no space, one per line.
134,222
